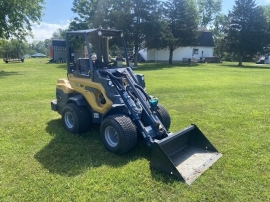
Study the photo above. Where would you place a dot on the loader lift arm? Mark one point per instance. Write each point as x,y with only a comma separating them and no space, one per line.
153,131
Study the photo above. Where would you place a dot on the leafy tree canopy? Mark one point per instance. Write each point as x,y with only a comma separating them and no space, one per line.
218,29
59,34
208,11
16,17
13,48
248,29
267,12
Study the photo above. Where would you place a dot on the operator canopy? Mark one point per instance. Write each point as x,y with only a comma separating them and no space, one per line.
99,32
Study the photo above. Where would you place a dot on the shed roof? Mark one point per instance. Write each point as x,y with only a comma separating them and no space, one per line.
206,39
59,42
38,55
26,55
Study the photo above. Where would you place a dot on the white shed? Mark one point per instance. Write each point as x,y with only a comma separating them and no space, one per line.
205,49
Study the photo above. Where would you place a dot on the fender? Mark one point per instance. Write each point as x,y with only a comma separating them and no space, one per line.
117,109
79,100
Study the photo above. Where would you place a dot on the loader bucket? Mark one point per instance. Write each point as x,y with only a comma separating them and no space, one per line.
185,155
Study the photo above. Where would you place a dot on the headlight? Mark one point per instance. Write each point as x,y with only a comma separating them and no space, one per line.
142,78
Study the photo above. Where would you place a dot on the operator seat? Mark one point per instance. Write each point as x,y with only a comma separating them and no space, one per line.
83,65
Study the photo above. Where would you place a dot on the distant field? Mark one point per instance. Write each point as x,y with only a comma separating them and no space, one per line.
40,161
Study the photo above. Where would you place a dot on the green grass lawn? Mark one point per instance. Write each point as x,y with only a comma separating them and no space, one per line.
40,161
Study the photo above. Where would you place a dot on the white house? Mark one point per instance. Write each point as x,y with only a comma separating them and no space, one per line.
205,49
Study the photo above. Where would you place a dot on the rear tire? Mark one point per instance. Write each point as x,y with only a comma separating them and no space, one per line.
164,116
118,134
76,119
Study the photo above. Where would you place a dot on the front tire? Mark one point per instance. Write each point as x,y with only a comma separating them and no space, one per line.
76,119
164,116
118,134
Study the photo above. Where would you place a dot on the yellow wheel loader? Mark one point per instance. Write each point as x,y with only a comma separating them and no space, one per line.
102,90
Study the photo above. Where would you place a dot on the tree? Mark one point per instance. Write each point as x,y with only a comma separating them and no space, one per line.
40,47
47,42
92,13
16,17
181,17
208,11
59,34
75,24
159,35
4,47
266,9
247,31
218,30
13,48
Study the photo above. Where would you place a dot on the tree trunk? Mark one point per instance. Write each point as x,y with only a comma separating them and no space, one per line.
171,54
136,49
240,63
136,55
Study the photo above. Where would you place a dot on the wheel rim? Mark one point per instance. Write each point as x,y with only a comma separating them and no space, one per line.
111,136
69,120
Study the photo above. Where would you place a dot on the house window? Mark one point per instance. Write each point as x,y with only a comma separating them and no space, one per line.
195,51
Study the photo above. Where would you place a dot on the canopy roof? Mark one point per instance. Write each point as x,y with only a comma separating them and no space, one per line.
104,32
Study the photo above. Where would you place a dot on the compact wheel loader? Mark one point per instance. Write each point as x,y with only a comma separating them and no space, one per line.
104,91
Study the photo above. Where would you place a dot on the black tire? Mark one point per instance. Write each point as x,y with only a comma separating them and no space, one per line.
118,134
76,119
164,116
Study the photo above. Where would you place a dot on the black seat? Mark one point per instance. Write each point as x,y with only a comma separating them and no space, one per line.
83,65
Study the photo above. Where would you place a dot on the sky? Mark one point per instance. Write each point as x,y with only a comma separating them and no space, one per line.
58,14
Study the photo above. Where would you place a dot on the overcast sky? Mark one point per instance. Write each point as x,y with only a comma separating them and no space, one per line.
57,14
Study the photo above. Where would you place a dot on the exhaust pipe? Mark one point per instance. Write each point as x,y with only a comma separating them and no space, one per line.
185,155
